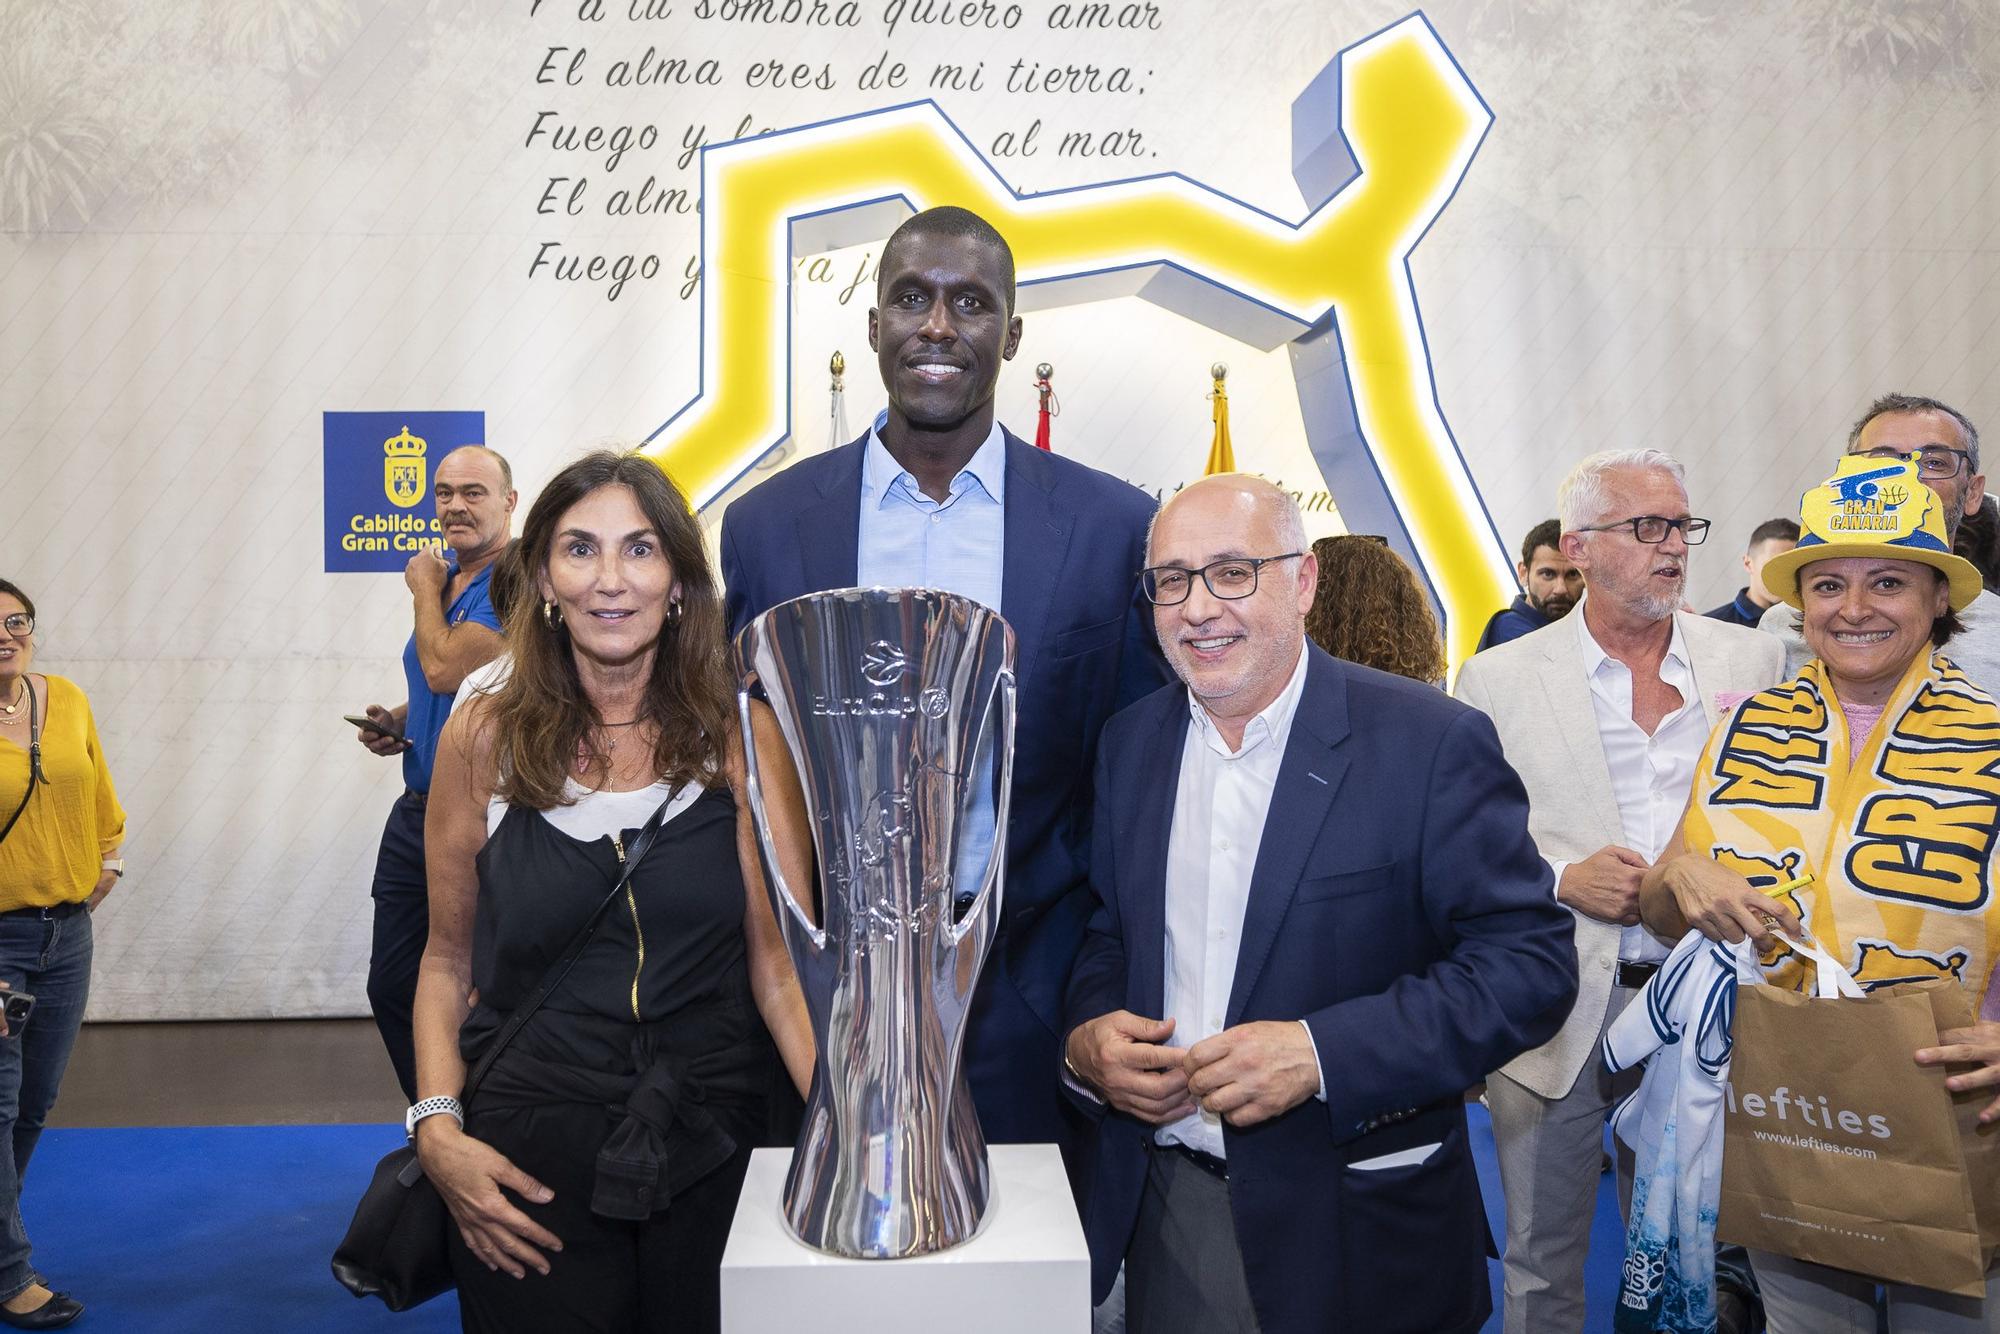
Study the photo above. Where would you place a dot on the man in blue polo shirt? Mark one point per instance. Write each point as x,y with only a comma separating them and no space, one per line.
456,632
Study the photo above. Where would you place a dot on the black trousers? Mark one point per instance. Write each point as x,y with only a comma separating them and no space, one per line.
662,1276
402,926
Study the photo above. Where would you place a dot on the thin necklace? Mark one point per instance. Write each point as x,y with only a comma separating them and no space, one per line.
583,751
21,697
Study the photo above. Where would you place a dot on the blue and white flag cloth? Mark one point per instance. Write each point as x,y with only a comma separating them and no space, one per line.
1680,1025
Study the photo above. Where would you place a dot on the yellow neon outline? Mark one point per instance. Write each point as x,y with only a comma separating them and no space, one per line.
1411,122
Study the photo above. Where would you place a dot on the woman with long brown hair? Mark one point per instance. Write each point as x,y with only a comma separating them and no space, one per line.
594,1173
1368,608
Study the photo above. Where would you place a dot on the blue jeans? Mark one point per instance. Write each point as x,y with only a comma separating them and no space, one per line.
45,952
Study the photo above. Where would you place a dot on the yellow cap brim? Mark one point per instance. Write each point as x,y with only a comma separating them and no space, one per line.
1781,572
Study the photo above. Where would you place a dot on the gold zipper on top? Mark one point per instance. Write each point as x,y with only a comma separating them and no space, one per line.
638,933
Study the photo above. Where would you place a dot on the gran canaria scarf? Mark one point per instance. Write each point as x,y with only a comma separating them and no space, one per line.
1901,843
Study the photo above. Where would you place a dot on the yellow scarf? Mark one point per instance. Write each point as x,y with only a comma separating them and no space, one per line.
1901,843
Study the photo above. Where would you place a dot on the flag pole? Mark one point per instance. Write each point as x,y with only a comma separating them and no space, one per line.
1046,395
1221,455
837,408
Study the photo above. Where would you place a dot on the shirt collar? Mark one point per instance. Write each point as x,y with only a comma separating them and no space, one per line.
987,468
1594,656
1274,723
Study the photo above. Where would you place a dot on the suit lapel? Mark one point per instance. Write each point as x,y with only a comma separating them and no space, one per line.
1568,693
1145,911
1308,778
1720,668
1038,529
830,528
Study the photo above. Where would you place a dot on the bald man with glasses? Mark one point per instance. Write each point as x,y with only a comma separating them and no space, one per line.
1319,920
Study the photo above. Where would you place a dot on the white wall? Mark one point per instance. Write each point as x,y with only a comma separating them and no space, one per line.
1717,228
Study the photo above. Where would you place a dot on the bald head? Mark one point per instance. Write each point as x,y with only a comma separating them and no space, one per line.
492,457
1248,497
1231,580
474,491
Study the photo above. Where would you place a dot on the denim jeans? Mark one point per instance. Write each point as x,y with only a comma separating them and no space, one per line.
45,953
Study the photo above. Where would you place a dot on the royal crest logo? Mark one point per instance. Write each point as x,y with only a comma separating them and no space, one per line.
403,478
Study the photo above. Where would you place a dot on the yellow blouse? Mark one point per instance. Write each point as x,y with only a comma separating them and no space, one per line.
56,852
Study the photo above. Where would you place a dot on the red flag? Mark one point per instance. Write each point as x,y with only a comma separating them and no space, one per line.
1050,408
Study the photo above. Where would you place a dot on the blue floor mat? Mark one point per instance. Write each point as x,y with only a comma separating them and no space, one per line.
225,1229
216,1229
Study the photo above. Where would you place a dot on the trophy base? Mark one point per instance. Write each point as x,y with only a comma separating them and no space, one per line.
1026,1271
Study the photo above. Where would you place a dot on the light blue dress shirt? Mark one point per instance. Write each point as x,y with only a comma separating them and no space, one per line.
908,540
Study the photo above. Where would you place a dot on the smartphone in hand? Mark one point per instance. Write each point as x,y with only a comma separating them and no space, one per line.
367,724
19,1005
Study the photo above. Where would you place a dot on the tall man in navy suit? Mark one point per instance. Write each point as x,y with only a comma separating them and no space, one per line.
1320,920
939,495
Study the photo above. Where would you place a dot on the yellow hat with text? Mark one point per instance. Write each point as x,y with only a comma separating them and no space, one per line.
1872,507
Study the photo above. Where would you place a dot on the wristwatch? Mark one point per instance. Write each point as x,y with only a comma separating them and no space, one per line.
115,865
439,1106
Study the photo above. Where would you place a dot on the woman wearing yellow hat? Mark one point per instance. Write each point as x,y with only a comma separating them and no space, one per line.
1839,774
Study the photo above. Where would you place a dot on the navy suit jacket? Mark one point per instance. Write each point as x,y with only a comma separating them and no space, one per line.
1399,907
1075,542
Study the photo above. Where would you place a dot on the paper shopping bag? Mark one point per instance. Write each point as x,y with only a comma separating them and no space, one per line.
1951,1007
1838,1148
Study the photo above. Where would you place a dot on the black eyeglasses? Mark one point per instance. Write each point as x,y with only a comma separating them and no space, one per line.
1653,529
1236,577
1935,463
20,625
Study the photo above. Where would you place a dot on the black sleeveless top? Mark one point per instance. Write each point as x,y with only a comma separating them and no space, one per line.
655,1022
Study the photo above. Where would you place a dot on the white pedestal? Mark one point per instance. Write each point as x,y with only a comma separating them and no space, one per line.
1025,1272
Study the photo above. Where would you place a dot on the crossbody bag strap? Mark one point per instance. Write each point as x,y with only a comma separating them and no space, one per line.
34,757
560,968
15,817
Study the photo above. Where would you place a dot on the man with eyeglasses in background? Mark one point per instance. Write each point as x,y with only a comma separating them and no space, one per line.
1319,920
1604,715
1945,445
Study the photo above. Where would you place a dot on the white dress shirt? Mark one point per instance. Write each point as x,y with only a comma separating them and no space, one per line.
1220,805
1651,776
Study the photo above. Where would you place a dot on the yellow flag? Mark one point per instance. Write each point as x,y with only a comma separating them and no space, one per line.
1221,457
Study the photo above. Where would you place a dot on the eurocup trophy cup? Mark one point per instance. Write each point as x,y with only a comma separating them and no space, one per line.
898,708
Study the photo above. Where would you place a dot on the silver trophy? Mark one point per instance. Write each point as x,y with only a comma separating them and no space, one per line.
898,708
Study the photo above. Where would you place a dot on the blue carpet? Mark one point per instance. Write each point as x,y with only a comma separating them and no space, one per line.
215,1230
210,1229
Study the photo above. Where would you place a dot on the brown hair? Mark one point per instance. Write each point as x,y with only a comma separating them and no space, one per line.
541,717
1369,608
9,587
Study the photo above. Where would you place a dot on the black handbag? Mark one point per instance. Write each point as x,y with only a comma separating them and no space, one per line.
395,1248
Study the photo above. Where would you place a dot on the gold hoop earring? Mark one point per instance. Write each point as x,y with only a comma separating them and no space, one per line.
551,614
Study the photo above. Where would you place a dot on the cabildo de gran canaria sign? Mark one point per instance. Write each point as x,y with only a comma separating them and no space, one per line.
1380,141
377,470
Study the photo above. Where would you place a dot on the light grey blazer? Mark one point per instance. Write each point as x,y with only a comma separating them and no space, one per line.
1535,691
